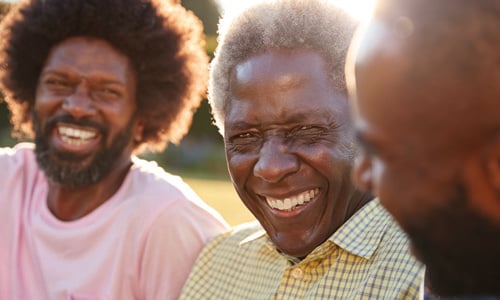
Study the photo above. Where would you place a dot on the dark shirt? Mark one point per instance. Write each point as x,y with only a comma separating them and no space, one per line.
432,297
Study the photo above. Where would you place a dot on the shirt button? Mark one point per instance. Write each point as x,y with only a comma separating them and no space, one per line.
297,273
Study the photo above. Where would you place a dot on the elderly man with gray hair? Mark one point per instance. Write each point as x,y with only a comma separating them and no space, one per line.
278,97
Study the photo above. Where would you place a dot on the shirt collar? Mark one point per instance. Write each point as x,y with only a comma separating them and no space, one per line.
362,233
261,233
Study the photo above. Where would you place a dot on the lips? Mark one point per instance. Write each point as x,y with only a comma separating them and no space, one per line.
292,202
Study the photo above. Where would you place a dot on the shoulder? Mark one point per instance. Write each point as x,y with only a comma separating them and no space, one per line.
228,266
240,234
158,181
158,188
19,167
236,241
169,202
20,156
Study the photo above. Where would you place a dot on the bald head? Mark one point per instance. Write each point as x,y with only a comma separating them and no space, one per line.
437,60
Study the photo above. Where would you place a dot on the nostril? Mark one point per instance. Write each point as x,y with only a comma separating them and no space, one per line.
78,106
276,167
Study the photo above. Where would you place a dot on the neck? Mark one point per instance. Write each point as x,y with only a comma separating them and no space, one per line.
72,203
359,200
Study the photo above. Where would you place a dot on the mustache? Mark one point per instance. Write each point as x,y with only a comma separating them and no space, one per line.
68,119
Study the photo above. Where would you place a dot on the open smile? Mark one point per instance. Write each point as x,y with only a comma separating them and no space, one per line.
77,139
74,136
293,202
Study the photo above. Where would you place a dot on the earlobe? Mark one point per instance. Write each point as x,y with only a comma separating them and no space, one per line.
138,131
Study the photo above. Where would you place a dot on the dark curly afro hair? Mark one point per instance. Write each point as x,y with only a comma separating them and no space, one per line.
163,41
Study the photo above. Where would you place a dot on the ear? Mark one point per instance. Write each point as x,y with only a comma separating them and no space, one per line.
482,179
138,130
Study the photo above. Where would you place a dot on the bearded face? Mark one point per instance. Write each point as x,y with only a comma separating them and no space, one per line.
72,169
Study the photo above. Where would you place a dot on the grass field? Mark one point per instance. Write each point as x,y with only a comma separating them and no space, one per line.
220,195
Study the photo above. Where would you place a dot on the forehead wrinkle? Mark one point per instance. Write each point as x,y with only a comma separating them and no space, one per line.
284,82
295,118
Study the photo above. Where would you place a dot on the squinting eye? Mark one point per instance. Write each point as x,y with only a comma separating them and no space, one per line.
306,130
244,142
109,91
244,135
56,82
244,138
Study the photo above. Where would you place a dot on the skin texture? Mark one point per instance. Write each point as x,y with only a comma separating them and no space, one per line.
429,143
85,85
288,132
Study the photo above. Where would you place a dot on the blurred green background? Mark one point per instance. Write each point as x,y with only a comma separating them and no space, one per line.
199,158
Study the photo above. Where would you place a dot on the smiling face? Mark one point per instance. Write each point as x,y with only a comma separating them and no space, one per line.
288,147
83,114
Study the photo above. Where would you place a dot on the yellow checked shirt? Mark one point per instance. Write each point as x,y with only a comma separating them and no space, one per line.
367,258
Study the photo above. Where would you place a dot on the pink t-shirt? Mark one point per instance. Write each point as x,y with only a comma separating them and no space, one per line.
140,244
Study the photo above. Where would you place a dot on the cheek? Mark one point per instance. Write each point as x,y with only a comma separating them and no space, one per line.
240,167
334,164
45,104
120,112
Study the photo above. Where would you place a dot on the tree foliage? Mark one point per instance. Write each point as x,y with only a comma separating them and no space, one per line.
207,11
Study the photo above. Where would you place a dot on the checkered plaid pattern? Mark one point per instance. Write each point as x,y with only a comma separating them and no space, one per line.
367,258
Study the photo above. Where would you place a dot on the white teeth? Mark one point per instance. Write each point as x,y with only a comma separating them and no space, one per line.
290,203
300,199
75,136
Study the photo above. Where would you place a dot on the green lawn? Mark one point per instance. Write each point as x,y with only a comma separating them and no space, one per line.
220,195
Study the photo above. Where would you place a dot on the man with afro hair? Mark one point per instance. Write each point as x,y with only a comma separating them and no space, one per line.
93,83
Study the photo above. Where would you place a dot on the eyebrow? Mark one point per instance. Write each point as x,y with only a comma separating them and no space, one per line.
55,72
102,79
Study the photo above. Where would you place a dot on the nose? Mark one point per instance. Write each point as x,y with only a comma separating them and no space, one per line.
79,103
275,162
363,173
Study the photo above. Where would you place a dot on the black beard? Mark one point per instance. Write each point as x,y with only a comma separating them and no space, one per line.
65,168
460,248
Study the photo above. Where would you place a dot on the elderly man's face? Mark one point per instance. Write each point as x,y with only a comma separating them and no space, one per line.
288,147
85,102
409,163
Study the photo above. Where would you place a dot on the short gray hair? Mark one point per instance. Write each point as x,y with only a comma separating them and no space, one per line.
318,25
